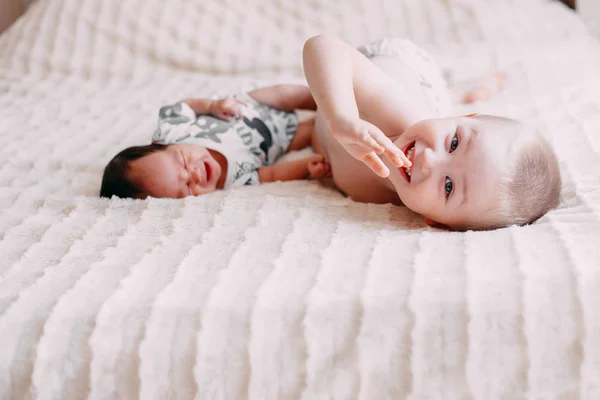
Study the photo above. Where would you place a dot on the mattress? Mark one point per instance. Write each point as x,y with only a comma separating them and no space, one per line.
284,290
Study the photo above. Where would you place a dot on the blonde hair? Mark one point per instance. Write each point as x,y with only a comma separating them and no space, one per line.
533,184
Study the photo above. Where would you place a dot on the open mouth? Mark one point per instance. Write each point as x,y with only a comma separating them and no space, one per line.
208,170
408,150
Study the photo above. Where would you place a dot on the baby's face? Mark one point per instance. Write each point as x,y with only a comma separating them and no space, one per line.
457,164
180,170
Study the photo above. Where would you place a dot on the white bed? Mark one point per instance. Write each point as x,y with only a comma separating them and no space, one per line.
283,291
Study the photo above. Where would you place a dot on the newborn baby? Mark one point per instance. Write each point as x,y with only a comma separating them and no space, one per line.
203,145
383,125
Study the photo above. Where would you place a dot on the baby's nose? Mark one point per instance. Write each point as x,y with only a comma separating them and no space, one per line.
427,161
195,176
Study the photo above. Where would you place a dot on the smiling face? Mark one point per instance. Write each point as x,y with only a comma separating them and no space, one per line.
180,170
457,166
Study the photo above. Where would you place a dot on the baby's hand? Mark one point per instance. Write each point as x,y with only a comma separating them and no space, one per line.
226,109
318,167
364,141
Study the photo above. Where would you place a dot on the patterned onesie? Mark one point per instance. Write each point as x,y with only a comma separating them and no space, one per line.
258,139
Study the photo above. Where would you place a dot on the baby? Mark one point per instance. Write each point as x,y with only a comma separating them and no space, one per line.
382,124
202,145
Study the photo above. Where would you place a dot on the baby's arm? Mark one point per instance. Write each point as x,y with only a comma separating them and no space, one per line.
282,97
313,166
226,109
285,97
343,81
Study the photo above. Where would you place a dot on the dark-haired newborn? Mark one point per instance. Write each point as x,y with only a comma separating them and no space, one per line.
202,145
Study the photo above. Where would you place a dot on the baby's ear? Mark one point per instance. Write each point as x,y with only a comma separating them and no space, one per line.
436,225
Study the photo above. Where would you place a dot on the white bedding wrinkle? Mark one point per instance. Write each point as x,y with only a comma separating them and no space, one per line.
284,290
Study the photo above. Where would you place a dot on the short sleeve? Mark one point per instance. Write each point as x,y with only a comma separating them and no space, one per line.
173,123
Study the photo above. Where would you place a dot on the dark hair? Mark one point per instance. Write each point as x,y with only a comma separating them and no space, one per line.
115,181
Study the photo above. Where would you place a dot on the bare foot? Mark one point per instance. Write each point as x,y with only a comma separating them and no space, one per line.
485,88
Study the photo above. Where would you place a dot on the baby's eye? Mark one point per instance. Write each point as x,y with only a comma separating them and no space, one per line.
449,186
454,143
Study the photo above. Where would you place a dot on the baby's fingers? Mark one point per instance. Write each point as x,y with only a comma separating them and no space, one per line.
374,162
396,156
372,144
225,115
389,149
383,145
231,109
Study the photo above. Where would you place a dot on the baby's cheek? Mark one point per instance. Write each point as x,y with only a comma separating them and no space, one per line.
406,199
419,201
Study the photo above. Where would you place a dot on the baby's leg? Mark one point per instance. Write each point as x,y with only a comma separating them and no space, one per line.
478,89
303,136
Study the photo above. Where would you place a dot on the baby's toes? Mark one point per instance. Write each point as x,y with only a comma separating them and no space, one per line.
478,94
499,78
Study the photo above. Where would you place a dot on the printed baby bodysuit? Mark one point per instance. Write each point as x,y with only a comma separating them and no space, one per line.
255,140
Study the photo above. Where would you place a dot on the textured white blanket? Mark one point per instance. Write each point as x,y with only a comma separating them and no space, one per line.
283,291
